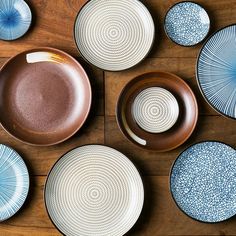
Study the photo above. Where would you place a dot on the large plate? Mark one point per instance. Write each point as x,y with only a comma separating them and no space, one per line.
94,190
216,71
14,182
203,181
114,35
45,96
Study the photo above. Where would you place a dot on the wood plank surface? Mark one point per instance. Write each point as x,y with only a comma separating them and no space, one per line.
53,26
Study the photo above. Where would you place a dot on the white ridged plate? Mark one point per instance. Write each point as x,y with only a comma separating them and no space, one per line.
155,110
94,190
114,35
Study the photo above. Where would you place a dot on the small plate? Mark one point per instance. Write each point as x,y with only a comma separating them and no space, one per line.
45,96
216,73
187,110
15,19
187,23
203,181
94,190
14,182
114,35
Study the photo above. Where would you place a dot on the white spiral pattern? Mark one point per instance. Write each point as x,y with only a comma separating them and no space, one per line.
114,34
94,190
155,110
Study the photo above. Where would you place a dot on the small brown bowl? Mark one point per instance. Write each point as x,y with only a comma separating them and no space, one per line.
45,96
172,138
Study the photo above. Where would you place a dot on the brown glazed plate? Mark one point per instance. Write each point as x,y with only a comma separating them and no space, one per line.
45,96
178,133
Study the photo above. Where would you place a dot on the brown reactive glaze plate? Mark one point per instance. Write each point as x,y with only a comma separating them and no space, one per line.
45,96
182,129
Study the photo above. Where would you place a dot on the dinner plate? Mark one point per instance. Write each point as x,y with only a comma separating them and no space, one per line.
114,35
203,181
15,19
94,190
216,71
45,96
14,182
185,112
187,23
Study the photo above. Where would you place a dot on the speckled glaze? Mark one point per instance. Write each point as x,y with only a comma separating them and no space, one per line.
187,23
203,181
15,19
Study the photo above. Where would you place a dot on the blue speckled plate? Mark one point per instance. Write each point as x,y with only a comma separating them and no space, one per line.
187,23
14,182
15,19
216,71
203,182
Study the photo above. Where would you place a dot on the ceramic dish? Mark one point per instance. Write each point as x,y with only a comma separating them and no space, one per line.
114,35
175,136
216,71
187,23
14,182
94,190
203,182
45,96
15,19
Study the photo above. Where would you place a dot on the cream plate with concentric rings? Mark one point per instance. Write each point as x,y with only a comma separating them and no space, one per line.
94,190
114,35
155,110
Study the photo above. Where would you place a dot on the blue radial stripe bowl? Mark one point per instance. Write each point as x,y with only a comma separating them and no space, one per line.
216,71
15,19
14,182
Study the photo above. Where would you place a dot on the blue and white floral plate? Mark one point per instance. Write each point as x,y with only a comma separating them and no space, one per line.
203,181
14,182
15,19
187,23
216,71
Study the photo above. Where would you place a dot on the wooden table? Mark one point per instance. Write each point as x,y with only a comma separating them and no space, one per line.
53,26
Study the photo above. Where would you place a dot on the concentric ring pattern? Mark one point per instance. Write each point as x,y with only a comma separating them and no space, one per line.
155,110
15,19
94,190
14,182
114,35
216,71
203,181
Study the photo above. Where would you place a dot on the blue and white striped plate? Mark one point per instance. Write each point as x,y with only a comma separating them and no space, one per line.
216,71
14,182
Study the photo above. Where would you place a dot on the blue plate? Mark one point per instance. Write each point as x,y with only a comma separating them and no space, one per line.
14,182
15,19
187,23
203,182
216,71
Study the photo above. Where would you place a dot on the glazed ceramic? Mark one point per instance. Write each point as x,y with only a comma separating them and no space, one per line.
15,19
187,23
174,136
94,190
14,182
216,71
114,35
45,96
203,181
155,110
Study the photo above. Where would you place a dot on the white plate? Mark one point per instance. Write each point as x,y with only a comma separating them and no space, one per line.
94,190
114,35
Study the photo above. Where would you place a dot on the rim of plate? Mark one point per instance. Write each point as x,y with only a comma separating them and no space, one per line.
85,145
28,177
171,170
77,46
197,75
90,94
28,27
193,45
